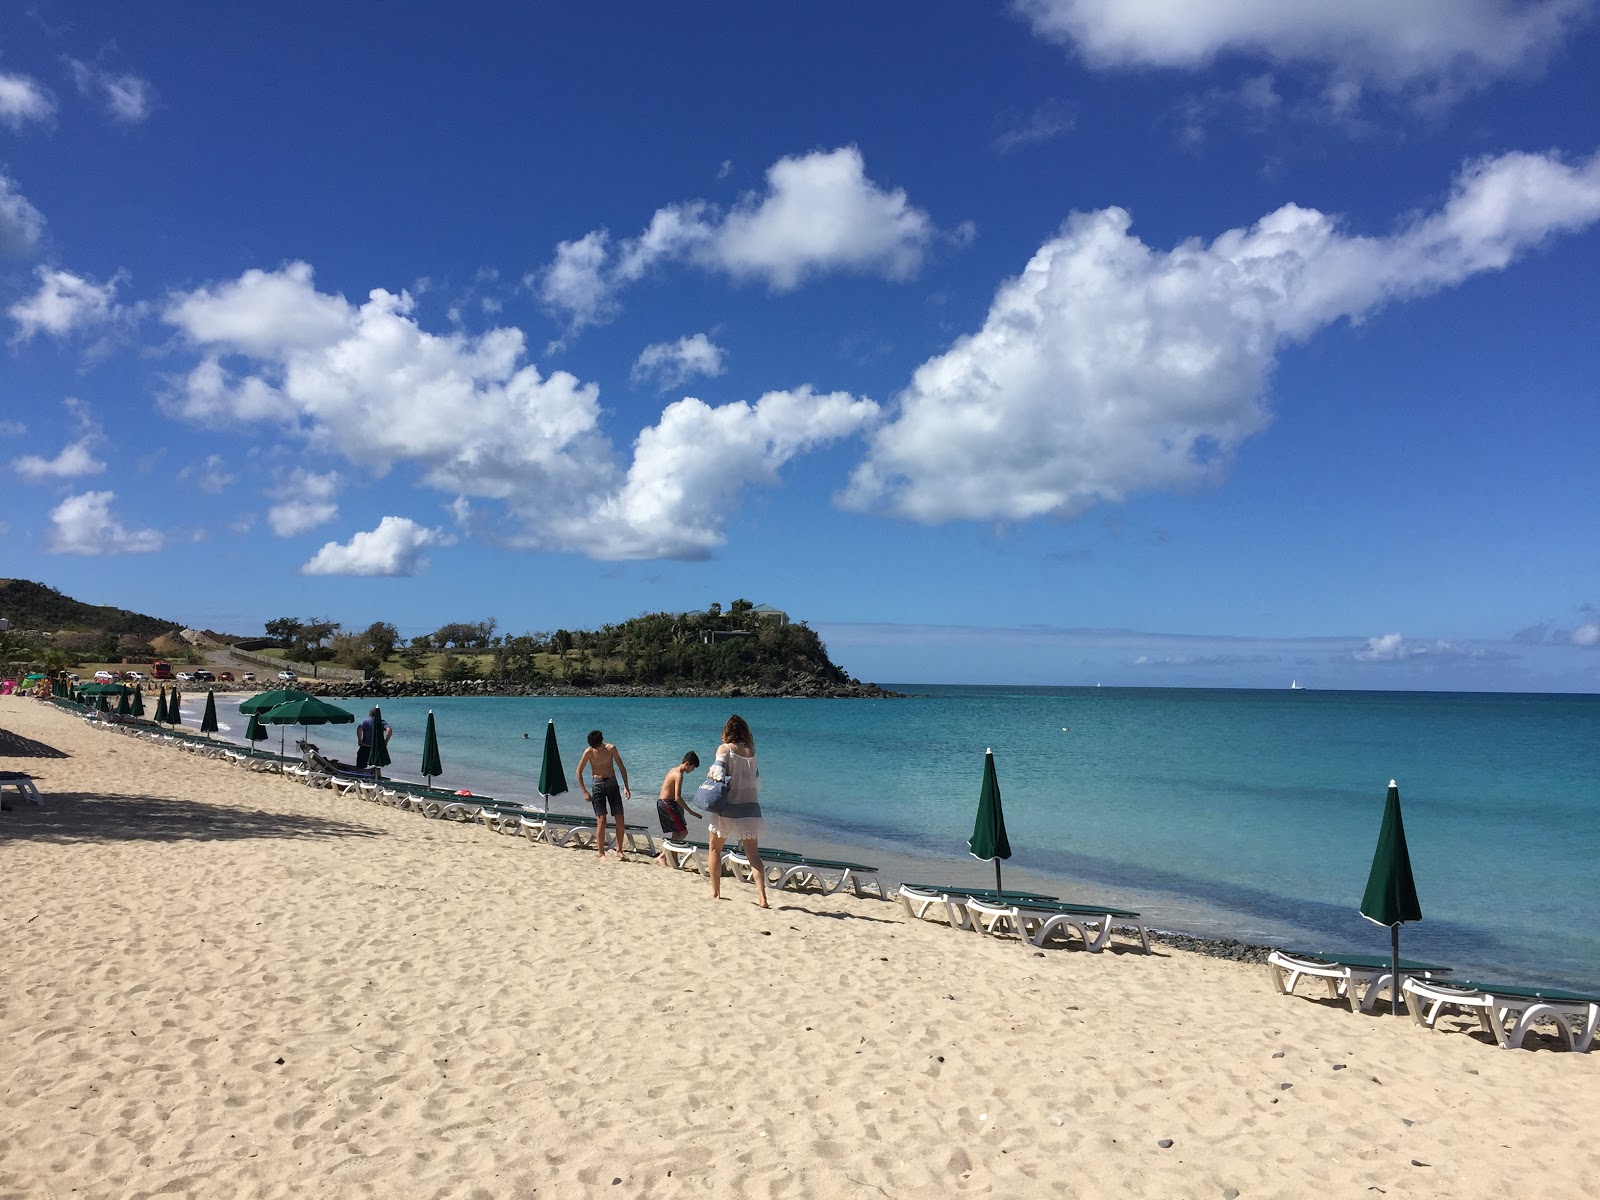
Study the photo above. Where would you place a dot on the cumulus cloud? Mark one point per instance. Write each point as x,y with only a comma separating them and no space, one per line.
819,213
126,97
84,525
23,100
21,224
1427,42
64,302
690,467
1392,648
670,364
305,500
394,548
368,383
1109,367
76,459
1587,635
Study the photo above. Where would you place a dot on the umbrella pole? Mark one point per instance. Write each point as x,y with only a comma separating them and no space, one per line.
998,890
1394,980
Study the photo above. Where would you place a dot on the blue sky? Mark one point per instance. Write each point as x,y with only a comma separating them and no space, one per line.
1071,341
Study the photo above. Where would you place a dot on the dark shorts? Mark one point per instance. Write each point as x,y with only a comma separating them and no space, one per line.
672,822
606,792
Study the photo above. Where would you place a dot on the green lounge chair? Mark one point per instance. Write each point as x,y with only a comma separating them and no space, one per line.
1346,975
1495,1005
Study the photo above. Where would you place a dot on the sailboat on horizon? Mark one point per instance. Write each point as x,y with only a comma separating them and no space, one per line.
1294,686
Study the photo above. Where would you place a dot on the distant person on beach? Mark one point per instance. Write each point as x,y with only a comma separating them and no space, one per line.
671,805
604,763
364,738
740,819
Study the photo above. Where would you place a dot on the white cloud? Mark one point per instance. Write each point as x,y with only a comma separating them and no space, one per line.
670,364
394,548
84,525
370,384
1587,635
1392,648
21,224
305,500
820,213
126,97
210,476
690,467
76,459
1044,124
1424,42
1109,367
22,100
64,302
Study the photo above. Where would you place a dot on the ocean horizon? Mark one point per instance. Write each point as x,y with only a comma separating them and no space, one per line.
1238,813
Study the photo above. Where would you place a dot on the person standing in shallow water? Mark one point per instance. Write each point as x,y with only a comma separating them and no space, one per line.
604,762
740,819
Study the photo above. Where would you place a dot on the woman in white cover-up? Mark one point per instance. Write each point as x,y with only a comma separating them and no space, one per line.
740,819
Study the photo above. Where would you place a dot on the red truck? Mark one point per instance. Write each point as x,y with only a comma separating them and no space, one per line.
160,670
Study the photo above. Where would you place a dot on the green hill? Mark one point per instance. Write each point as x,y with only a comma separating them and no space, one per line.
34,607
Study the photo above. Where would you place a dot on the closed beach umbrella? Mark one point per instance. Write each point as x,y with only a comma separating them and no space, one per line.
138,702
1391,896
378,752
254,731
161,708
431,765
175,708
103,702
989,841
307,711
208,723
124,704
552,779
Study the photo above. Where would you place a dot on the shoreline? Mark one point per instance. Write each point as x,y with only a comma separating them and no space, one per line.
218,982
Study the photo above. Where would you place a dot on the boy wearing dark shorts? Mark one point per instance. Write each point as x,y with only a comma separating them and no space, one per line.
671,805
604,762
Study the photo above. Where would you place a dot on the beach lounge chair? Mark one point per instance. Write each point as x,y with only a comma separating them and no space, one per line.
918,898
22,783
1036,922
1356,979
683,854
1504,1010
786,868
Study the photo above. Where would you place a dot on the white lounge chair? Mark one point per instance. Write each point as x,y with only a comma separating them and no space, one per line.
1357,979
1504,1010
682,855
24,785
1036,922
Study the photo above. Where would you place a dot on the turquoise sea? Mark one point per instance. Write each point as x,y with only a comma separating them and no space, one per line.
1248,814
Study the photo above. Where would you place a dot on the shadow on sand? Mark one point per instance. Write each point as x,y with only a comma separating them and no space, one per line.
14,745
108,817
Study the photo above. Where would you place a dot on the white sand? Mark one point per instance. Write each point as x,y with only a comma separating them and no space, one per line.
216,983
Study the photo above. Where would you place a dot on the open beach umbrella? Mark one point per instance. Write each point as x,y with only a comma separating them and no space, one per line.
254,732
552,779
208,723
989,841
266,701
161,708
431,765
308,710
174,708
1391,896
378,752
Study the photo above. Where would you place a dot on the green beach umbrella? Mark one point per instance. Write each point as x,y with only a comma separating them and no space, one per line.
307,710
175,708
267,701
1391,896
124,705
208,723
552,779
254,732
103,702
989,841
161,708
378,752
431,765
138,702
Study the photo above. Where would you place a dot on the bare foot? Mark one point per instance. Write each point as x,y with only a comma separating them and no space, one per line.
761,904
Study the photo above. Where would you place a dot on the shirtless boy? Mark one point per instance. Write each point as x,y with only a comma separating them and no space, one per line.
605,764
671,806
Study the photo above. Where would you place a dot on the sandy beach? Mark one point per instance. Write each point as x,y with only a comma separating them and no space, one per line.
221,983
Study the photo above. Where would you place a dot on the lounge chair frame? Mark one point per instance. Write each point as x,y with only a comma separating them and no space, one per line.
1358,980
1507,1013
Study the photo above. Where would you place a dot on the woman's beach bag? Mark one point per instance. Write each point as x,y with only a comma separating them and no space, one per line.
712,795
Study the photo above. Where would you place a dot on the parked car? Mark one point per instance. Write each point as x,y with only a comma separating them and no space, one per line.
184,677
72,676
248,677
225,676
288,677
204,676
105,676
133,676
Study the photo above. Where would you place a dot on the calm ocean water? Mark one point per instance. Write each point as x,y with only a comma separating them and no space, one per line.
1237,813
